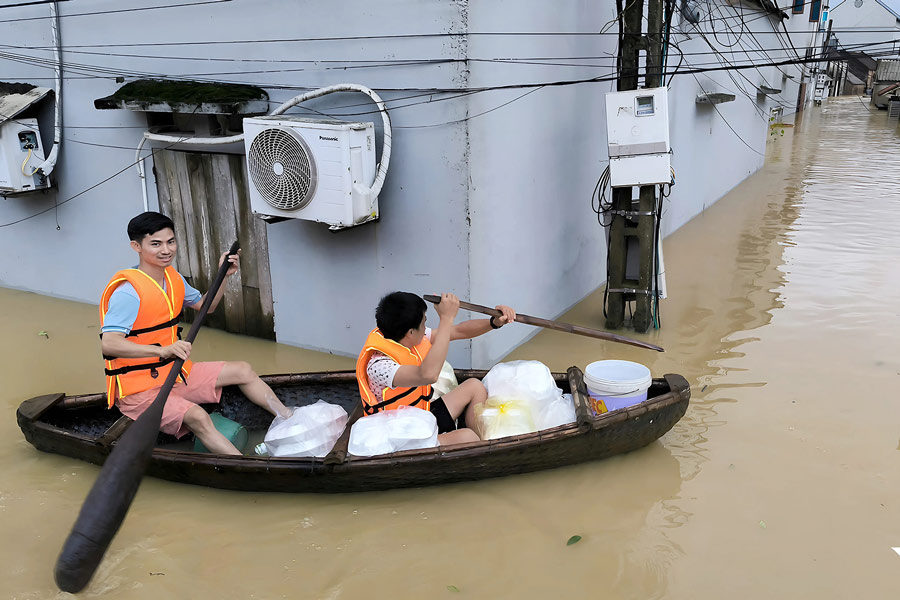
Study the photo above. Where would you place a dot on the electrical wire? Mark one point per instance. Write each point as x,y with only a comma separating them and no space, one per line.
726,120
25,162
111,72
112,11
532,87
32,3
82,192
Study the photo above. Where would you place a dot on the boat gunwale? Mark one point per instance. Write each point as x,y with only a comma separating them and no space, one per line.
481,447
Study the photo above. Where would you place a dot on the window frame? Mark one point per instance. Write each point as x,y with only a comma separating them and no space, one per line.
815,11
802,7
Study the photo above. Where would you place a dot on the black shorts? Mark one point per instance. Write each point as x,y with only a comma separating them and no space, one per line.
445,421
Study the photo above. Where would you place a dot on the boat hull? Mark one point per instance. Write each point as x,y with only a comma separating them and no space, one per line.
80,427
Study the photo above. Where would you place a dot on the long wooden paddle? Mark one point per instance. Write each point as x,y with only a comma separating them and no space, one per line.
556,325
108,501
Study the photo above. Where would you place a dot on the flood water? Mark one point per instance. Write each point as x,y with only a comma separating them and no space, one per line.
781,481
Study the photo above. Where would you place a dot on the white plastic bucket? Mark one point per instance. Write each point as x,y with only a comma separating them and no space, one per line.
619,383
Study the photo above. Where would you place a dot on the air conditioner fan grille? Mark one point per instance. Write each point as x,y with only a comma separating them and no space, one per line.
282,169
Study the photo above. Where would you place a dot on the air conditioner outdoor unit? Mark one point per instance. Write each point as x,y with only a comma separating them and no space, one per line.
312,169
20,154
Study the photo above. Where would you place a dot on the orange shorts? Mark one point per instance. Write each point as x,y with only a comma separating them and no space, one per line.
200,389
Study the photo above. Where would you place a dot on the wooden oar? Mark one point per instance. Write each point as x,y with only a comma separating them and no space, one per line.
548,324
107,503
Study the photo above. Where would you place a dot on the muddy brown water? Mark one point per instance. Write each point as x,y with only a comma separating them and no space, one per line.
781,481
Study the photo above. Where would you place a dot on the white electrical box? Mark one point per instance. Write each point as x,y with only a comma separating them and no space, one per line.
312,169
637,124
20,154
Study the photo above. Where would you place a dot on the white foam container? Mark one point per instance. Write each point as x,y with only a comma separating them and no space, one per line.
619,383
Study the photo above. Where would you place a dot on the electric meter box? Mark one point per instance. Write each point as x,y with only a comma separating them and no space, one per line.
20,155
637,127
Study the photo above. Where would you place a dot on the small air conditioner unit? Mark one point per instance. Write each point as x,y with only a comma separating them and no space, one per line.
312,169
20,155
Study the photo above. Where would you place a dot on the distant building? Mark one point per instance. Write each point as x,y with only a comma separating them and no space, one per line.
868,26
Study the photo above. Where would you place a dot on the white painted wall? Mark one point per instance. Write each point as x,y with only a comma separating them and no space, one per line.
535,242
495,208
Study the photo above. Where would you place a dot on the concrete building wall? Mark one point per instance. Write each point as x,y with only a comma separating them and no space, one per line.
488,193
871,22
535,241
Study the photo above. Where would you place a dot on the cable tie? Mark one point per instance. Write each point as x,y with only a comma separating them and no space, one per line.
632,291
633,213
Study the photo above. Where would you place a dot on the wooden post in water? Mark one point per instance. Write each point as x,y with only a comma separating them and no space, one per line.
620,228
646,229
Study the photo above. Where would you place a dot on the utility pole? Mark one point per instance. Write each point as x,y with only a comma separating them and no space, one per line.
825,43
819,84
627,222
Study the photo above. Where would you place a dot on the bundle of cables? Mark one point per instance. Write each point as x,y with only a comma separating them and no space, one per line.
604,208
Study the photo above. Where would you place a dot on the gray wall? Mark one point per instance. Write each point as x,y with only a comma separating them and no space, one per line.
495,208
536,244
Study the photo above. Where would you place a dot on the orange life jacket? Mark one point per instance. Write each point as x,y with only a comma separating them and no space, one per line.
156,324
392,397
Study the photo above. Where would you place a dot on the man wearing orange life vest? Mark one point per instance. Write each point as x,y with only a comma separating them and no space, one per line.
139,314
402,358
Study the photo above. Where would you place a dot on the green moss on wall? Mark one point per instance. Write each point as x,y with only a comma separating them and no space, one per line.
187,92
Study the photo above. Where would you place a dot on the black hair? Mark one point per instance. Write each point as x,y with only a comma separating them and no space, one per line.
146,224
399,312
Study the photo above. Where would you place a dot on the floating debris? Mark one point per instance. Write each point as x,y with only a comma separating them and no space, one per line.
573,540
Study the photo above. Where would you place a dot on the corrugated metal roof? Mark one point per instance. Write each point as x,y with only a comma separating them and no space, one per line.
16,97
888,70
893,6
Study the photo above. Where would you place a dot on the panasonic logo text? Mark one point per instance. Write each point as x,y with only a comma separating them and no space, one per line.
328,139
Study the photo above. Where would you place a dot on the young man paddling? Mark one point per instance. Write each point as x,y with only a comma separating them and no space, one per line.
139,314
402,358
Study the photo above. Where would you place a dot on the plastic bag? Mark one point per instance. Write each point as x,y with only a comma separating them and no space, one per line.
499,417
521,378
556,412
530,383
308,431
405,428
446,382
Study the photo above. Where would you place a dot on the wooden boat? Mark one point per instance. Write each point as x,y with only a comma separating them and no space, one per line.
82,427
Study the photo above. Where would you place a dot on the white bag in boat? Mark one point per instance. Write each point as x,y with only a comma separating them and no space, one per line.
309,431
405,428
446,381
500,417
556,412
531,382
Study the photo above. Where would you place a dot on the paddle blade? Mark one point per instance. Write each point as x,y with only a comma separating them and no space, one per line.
107,503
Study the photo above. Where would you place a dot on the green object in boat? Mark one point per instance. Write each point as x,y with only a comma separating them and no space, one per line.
233,431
